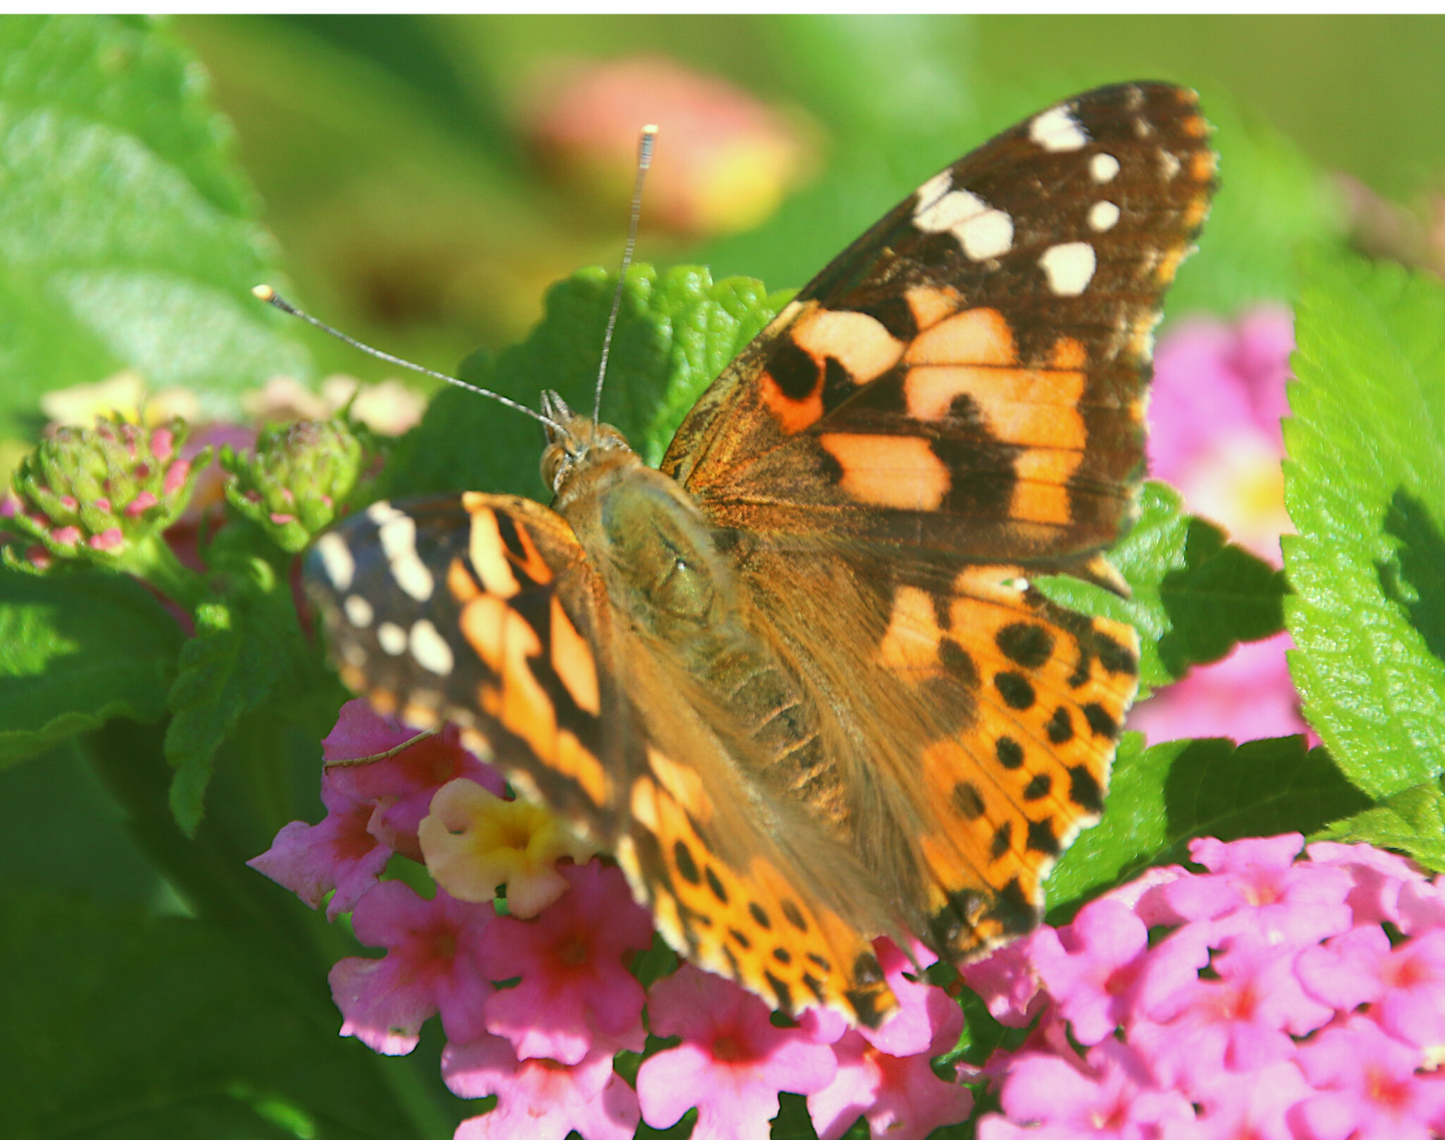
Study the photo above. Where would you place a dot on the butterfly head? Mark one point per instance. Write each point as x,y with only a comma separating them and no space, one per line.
575,442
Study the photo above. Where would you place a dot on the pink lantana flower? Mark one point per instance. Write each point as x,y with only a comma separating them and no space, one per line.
1008,982
732,1062
338,855
1405,984
1113,1097
1239,1021
539,1099
432,965
1214,419
884,1074
1379,877
1258,889
576,994
1368,1087
401,786
1091,966
902,1098
1247,1106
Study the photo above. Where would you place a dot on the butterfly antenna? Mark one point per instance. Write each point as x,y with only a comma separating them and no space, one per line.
644,160
271,297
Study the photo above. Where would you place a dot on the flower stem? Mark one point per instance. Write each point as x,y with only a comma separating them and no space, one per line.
153,561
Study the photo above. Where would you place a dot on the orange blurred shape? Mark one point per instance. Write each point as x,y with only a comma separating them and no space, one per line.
723,160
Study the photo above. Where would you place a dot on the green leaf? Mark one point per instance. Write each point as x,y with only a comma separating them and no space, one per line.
1195,595
134,1026
1412,821
1365,486
676,330
75,650
240,655
1164,796
128,237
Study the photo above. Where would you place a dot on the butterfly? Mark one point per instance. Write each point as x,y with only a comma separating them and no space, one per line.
798,679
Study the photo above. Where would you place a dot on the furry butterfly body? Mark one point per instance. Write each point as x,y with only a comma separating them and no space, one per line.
797,678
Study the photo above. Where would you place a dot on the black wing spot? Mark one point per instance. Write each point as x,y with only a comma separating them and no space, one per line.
1038,787
780,991
740,938
895,314
1025,644
794,915
838,383
685,865
1002,840
1015,690
865,1007
814,986
795,372
1084,790
967,800
1115,657
821,962
507,528
782,955
956,662
867,970
1060,728
1100,722
760,916
1013,911
1009,751
1042,838
716,886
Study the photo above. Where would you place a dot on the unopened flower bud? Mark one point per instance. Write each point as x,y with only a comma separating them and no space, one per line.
89,494
299,478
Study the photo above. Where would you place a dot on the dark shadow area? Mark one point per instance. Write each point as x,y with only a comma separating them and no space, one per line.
1222,595
1415,579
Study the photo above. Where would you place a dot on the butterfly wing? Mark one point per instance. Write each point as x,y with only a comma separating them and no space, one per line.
969,376
496,621
492,621
956,404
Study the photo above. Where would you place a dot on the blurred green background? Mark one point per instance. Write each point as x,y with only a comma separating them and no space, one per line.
398,163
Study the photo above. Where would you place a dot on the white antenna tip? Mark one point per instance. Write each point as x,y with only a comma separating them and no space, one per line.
650,129
263,292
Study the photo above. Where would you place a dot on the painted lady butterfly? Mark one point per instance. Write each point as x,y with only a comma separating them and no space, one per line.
797,679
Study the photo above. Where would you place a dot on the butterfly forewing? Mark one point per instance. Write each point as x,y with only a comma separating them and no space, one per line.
969,375
484,615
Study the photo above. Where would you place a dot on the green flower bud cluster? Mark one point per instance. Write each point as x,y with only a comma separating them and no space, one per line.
92,494
299,478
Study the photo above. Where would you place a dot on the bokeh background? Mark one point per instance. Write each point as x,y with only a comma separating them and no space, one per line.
429,176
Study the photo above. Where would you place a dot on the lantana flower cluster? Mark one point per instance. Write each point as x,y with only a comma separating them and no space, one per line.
534,989
1269,998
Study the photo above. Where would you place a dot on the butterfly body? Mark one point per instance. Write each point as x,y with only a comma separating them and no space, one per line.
797,679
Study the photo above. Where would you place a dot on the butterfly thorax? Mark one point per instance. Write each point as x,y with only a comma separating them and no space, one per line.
666,572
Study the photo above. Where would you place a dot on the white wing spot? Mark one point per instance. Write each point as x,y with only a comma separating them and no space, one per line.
358,611
392,637
1103,216
1103,167
1070,267
336,560
1168,164
431,651
1057,130
381,512
982,230
934,189
398,542
353,654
